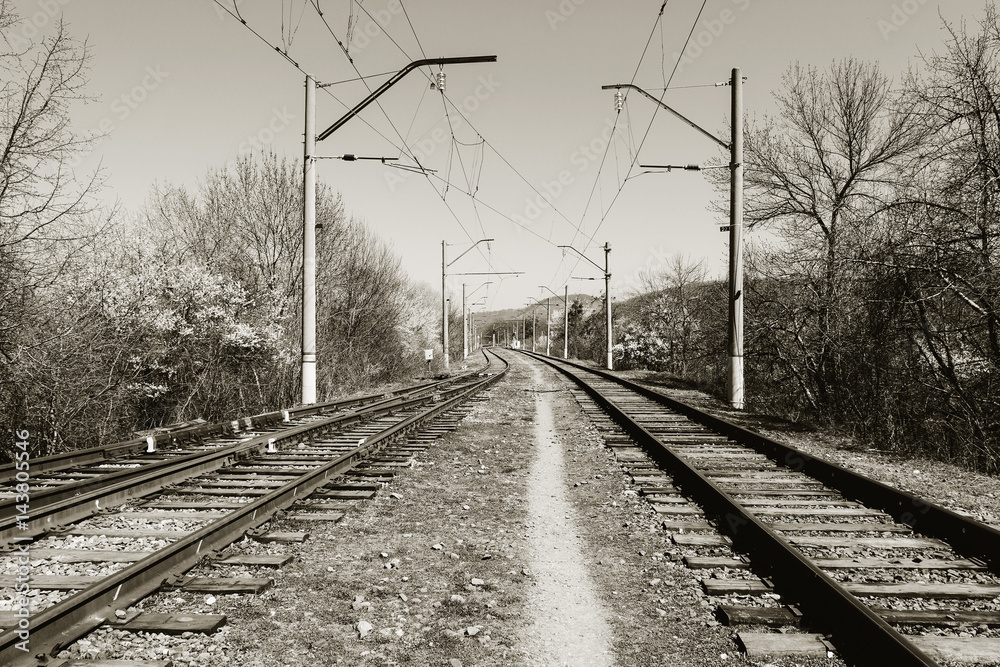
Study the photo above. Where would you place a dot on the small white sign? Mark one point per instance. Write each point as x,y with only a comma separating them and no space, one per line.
428,355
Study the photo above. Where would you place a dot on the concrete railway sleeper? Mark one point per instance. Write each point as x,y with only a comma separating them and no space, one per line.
865,564
306,467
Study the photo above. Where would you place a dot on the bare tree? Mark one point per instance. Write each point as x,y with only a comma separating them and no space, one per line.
815,174
39,191
45,220
943,250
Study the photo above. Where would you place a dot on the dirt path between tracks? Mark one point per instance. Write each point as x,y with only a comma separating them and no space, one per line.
569,620
468,559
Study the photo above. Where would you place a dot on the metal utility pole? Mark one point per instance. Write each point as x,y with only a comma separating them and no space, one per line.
548,327
444,293
444,304
309,248
309,206
532,304
533,334
735,379
565,300
607,303
566,323
607,295
465,311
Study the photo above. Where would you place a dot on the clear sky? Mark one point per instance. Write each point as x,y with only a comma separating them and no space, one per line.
182,86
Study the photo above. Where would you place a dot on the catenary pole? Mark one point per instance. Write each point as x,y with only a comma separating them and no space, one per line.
309,248
607,302
444,304
566,322
465,327
736,247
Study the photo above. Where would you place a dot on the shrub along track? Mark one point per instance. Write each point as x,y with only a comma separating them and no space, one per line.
213,496
842,547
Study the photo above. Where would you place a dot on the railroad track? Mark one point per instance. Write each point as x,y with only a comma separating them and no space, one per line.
61,485
790,541
108,541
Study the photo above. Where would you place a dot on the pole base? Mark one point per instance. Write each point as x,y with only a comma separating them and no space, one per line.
308,382
734,383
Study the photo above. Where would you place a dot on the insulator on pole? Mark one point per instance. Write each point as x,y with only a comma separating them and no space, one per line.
619,100
440,81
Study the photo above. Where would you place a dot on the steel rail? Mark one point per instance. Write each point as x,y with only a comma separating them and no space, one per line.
857,630
67,503
61,624
969,537
177,436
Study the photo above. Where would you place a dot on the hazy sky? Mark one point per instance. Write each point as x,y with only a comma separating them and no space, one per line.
182,86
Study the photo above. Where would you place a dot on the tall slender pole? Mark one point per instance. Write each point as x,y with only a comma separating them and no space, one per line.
309,248
566,322
444,304
736,248
465,327
548,326
533,330
607,302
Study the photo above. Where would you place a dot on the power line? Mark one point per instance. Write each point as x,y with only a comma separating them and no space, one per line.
604,156
429,77
621,187
322,17
296,65
239,18
411,29
315,4
465,118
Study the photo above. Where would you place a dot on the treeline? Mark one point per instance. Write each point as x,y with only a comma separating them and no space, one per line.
877,308
113,321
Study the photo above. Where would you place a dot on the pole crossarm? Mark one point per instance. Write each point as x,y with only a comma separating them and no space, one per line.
394,80
488,282
464,252
685,167
553,293
674,112
489,273
586,258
